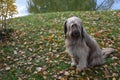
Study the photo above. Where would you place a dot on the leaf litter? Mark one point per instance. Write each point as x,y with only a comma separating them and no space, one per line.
37,50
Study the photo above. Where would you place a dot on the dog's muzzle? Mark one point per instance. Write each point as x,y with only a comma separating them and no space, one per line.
75,33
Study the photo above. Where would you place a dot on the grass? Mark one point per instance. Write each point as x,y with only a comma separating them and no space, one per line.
36,49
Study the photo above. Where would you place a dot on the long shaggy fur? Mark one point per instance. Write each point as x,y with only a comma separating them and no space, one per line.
83,49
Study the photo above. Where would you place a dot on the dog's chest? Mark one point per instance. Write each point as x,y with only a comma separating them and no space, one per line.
77,50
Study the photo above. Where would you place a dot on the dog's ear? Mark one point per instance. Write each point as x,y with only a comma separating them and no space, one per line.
82,32
65,27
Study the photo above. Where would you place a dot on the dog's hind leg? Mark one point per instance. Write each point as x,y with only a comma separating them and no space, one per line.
96,58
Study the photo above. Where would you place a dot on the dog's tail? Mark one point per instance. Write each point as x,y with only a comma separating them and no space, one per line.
107,51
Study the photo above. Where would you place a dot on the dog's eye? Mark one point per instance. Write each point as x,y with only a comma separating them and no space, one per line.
74,25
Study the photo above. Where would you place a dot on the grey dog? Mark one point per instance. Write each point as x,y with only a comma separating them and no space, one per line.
82,48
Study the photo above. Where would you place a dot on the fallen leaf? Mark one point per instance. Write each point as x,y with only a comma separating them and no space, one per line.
38,69
114,78
7,68
107,73
15,52
66,73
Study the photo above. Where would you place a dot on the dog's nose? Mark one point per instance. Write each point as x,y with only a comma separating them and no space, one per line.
75,33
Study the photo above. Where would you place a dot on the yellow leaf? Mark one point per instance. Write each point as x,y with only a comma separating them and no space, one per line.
114,78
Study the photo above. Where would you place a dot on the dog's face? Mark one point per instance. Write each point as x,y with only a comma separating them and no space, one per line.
73,28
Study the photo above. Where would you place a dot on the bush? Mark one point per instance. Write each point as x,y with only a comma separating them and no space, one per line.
7,10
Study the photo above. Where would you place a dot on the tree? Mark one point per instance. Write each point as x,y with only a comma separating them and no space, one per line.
7,10
40,6
105,5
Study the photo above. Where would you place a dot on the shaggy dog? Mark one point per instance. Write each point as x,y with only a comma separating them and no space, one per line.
83,49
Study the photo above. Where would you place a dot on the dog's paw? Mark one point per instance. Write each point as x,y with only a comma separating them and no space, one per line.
80,68
73,64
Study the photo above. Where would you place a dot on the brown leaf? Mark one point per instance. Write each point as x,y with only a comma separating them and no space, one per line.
7,68
45,72
39,69
30,49
114,78
107,73
66,73
15,52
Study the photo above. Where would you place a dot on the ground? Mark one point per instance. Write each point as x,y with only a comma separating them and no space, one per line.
36,48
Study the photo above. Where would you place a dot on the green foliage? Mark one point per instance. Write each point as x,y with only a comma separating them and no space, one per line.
41,6
7,10
37,51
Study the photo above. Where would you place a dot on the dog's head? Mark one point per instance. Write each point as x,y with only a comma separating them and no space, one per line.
73,28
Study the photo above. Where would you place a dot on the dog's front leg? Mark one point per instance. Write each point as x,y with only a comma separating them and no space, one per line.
73,63
82,63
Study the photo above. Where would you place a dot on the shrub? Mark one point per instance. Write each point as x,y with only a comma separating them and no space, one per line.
7,10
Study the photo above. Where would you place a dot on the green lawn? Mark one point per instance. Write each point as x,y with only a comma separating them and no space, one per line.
36,49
